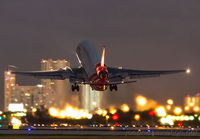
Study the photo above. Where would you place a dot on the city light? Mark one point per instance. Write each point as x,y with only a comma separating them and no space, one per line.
168,107
34,110
8,72
40,85
179,124
170,101
125,108
187,108
196,109
16,123
115,117
160,111
151,113
107,117
112,110
177,110
69,112
101,112
140,100
137,117
15,107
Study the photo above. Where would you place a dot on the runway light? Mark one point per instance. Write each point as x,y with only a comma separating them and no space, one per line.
166,121
137,117
125,108
170,101
160,111
199,118
112,127
29,129
177,110
191,118
141,100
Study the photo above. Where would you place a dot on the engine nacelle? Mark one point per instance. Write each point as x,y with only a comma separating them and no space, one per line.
102,71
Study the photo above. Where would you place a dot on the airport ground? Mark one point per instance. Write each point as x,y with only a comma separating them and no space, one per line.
100,133
88,137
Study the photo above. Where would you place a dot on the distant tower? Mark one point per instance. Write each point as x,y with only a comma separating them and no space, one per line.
57,91
90,99
9,85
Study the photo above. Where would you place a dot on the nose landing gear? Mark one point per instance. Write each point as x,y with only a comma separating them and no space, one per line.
75,87
113,87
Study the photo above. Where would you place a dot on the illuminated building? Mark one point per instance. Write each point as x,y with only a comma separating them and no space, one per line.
90,99
30,96
15,95
9,84
192,103
57,91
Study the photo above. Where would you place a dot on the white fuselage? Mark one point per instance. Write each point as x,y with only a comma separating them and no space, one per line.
88,56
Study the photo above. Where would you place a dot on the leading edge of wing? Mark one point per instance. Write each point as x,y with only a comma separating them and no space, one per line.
55,74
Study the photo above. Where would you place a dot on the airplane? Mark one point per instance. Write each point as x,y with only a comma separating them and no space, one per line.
94,72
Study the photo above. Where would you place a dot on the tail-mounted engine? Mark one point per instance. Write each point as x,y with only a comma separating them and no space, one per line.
102,71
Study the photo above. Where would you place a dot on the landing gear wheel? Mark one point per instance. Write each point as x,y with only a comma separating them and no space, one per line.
113,87
75,87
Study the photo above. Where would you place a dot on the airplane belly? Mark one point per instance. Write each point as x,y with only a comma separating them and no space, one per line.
88,56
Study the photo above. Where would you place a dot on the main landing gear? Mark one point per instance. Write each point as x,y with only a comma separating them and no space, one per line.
113,87
75,87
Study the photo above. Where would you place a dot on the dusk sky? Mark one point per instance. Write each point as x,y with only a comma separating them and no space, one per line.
139,34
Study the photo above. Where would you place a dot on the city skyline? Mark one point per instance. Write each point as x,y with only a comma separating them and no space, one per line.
137,34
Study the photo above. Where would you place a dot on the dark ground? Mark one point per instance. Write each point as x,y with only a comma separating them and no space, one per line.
89,137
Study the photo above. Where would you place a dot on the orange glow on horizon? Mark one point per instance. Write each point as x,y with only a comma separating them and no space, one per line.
69,112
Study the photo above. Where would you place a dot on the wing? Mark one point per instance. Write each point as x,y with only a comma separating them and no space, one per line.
74,75
116,74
